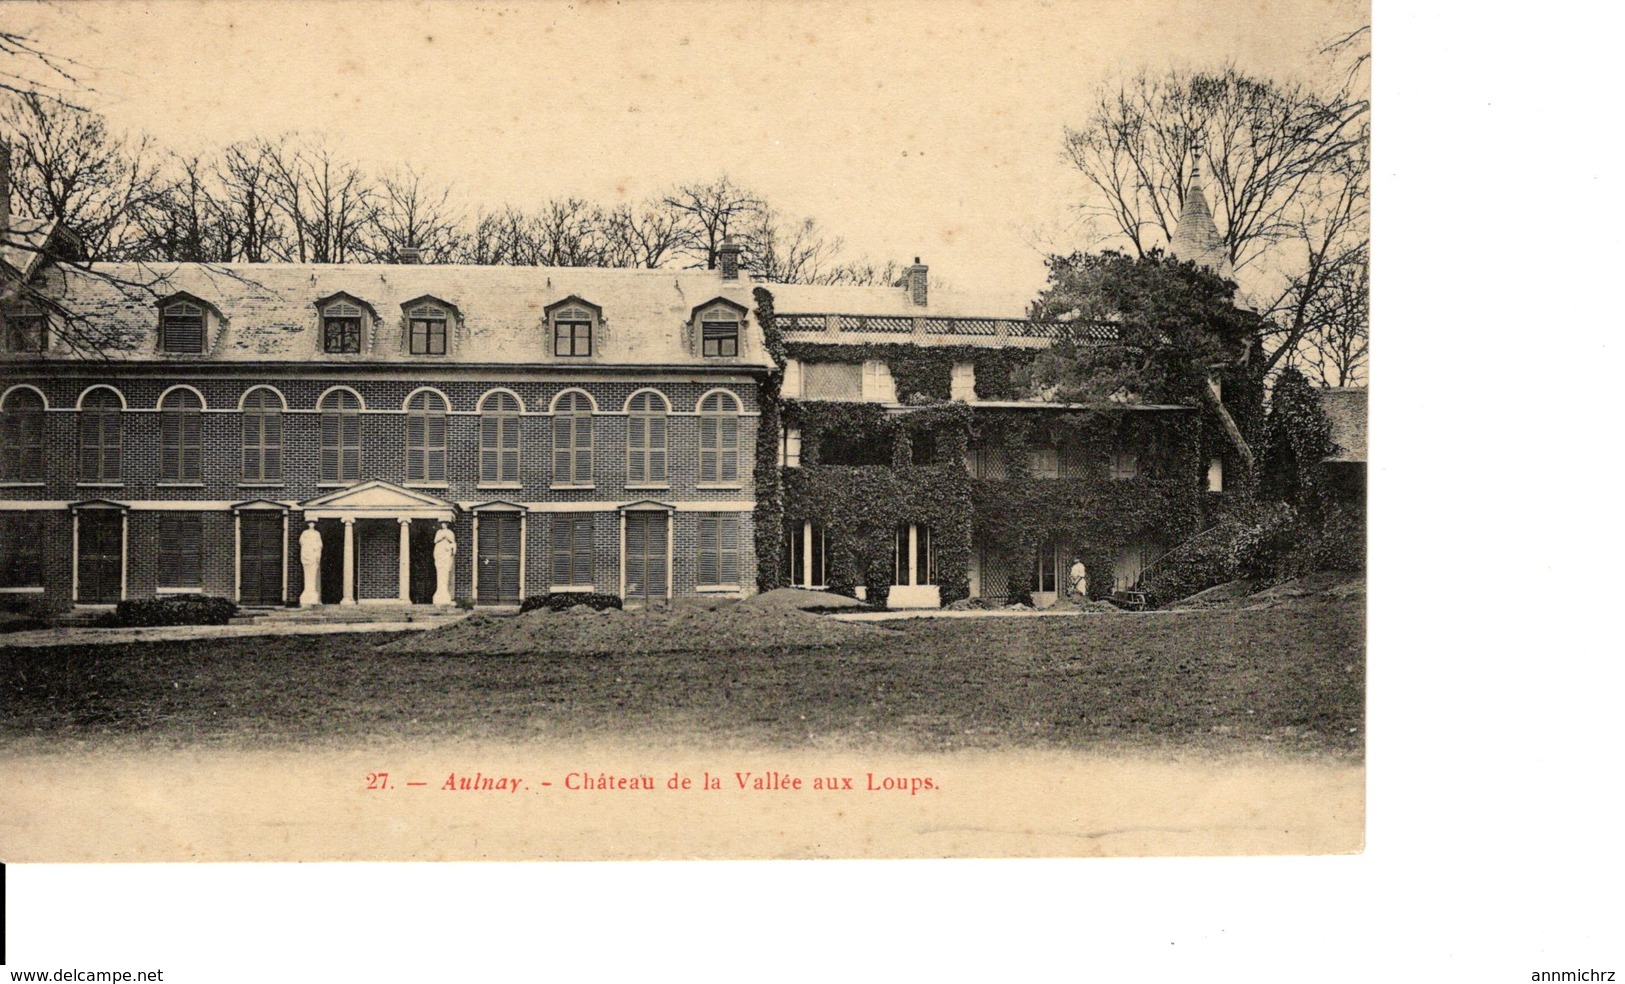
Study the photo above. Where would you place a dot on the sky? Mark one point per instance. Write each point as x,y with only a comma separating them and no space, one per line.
907,128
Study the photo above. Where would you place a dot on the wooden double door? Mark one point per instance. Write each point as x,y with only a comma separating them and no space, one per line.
648,568
101,556
260,558
499,558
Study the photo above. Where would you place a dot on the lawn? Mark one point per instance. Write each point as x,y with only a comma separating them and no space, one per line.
1289,678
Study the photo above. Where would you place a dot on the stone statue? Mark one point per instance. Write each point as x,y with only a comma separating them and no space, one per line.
445,551
310,557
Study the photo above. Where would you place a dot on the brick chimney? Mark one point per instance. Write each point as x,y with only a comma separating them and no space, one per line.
409,255
728,258
914,278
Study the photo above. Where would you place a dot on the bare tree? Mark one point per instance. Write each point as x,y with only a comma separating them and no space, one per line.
251,226
788,251
712,213
326,201
185,220
409,212
67,166
1337,345
26,69
644,235
1287,167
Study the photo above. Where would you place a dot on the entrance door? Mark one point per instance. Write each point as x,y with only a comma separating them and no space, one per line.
499,559
332,573
645,556
101,556
261,558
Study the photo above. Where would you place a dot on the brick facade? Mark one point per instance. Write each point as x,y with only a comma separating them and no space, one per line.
383,457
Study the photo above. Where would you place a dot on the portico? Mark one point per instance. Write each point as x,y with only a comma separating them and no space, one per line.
363,515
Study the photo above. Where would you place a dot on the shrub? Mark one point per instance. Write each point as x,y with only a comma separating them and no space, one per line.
189,609
558,601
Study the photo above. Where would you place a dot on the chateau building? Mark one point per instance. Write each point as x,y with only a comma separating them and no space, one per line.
283,434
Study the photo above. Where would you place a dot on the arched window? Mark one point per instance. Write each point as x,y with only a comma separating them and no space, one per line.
426,438
499,439
181,327
719,439
101,437
572,439
427,324
180,437
646,440
22,437
341,437
262,436
341,328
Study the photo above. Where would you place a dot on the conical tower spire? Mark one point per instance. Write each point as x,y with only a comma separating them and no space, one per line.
1196,237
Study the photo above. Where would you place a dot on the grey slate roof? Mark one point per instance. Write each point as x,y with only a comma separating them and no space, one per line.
268,311
1346,408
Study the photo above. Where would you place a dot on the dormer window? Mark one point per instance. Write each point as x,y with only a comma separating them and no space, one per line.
720,336
341,328
181,327
25,329
719,332
572,332
426,325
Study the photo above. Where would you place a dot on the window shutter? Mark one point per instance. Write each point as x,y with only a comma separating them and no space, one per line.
112,464
90,446
709,574
730,448
582,541
350,468
415,451
169,560
728,549
637,449
191,445
708,449
560,573
583,452
657,449
191,548
563,447
331,444
253,447
490,449
272,466
509,470
435,446
170,445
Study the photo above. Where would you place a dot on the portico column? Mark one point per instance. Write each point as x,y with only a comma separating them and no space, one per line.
913,548
349,562
406,561
806,554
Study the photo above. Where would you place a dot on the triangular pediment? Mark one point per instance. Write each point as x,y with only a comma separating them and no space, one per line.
498,505
648,505
97,504
263,504
377,495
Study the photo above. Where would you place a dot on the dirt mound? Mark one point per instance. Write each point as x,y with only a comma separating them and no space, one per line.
800,599
1328,586
723,625
1219,596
